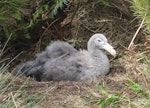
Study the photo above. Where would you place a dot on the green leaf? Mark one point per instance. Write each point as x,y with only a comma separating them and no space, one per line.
109,100
136,88
58,5
102,89
30,24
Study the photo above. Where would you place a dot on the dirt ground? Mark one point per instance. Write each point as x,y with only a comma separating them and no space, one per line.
119,24
66,94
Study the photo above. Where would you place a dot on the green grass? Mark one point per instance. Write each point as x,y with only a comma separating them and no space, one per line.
137,89
141,11
111,100
118,99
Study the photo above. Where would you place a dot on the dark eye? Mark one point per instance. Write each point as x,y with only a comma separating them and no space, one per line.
99,40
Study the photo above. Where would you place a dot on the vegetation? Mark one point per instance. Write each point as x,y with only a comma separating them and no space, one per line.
130,89
114,100
12,95
22,15
110,99
12,15
15,15
12,11
142,11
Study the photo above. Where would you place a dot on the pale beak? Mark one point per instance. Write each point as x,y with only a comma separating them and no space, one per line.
110,49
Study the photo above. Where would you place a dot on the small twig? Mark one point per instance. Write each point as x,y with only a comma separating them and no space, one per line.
74,13
38,44
2,51
49,26
14,100
131,43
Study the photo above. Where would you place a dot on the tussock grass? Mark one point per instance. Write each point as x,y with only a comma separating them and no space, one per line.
141,11
12,95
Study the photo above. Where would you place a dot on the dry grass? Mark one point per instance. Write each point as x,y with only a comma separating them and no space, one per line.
120,89
127,86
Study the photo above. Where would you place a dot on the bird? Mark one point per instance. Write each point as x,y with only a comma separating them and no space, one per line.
54,50
64,62
85,65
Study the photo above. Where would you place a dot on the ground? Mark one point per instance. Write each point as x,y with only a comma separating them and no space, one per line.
126,86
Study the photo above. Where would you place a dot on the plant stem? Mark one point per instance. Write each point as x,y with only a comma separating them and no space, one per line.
137,31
